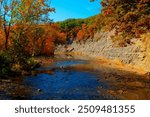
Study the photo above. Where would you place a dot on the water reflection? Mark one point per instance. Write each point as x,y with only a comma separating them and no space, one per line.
121,84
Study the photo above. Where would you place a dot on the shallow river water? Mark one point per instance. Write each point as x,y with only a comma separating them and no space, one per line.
65,83
74,79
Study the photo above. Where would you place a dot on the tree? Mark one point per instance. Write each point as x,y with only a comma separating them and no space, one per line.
6,15
130,18
24,14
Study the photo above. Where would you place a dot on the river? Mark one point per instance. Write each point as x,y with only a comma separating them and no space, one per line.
70,78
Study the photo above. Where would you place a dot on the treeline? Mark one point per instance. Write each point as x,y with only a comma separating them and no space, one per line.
79,29
130,19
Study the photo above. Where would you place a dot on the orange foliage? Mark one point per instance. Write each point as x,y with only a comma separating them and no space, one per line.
37,40
108,11
62,37
86,32
80,35
45,45
48,47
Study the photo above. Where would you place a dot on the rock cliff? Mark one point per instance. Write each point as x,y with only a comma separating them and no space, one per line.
102,46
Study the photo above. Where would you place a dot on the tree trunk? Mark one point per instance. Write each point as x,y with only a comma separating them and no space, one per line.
6,41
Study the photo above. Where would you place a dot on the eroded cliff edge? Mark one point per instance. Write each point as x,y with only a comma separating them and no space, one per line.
101,45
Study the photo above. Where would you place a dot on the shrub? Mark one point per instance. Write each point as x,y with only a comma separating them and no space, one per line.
5,63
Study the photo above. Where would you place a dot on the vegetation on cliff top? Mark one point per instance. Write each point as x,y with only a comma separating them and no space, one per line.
130,19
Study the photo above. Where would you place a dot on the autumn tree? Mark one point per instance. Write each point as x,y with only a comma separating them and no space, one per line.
20,27
130,18
24,14
6,14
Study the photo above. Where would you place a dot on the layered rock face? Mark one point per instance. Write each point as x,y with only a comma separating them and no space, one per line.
102,46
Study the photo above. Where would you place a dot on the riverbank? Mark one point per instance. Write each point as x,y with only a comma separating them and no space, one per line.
112,64
102,47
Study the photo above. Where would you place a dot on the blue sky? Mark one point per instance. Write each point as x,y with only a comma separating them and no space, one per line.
74,9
